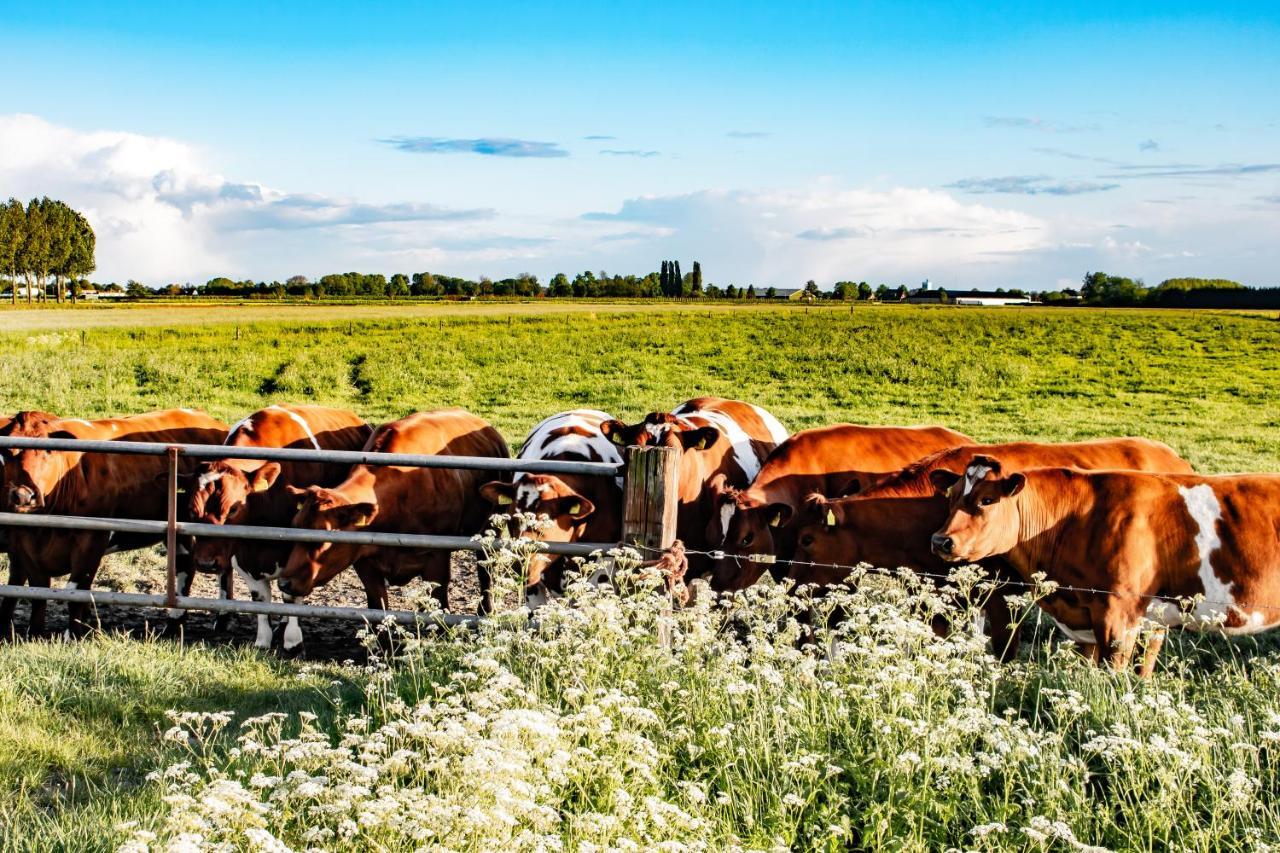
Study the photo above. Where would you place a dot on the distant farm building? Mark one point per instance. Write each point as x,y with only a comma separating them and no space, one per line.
964,297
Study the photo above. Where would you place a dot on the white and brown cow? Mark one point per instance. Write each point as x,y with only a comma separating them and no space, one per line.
1130,544
255,492
397,499
110,485
578,507
722,443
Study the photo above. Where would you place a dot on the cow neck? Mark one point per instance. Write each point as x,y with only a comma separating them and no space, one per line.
360,486
1042,524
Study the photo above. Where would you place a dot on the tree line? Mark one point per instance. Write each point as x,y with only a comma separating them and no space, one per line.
1100,288
41,242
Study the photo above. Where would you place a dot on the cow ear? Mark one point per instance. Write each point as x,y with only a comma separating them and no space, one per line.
357,515
265,477
1013,484
615,430
498,493
700,439
779,514
576,507
943,480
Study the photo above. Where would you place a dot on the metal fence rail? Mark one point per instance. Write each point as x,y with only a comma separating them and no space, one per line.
290,454
171,527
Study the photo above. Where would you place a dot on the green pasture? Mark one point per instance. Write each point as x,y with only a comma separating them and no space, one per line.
81,726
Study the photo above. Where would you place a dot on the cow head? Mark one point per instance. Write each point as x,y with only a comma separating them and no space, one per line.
749,529
31,475
546,495
982,517
661,429
219,494
314,564
825,536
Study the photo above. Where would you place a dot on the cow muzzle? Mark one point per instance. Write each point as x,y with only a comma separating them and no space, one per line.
25,499
943,546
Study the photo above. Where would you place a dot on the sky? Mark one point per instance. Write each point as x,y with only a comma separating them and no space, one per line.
976,145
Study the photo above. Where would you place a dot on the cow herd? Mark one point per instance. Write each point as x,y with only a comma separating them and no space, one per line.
1123,527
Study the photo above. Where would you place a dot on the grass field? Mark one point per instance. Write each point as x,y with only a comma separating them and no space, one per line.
592,737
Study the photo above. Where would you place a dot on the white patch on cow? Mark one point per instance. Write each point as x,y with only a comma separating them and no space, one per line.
115,427
208,478
1084,636
78,421
527,496
180,583
726,515
776,430
239,425
974,475
535,597
189,411
259,590
300,421
740,443
541,445
655,431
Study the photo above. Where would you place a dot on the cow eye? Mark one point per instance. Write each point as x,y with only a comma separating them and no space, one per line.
986,502
806,540
746,540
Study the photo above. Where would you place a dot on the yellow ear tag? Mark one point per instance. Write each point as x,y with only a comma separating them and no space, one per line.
949,489
702,444
776,520
575,509
259,486
363,521
503,500
831,518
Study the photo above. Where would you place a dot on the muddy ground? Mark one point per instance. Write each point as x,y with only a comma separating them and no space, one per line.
325,639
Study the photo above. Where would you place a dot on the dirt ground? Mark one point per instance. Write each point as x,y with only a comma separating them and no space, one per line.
325,639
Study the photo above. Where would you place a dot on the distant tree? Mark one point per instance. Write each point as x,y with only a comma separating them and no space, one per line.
560,285
13,231
811,288
902,292
695,281
843,290
33,256
751,291
864,291
677,279
136,290
943,297
771,293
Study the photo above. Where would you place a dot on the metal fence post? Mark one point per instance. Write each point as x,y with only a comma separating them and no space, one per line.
171,531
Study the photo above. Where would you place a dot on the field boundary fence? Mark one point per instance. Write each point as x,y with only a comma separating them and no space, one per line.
649,511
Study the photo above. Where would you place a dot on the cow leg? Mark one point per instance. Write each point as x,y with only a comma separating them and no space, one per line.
375,585
1000,628
17,577
291,636
226,592
85,563
1150,653
259,590
184,574
37,626
485,579
1116,627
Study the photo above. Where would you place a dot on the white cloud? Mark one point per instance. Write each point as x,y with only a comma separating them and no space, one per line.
824,233
161,214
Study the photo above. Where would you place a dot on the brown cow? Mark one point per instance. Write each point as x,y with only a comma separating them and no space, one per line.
1144,540
441,501
255,492
111,485
578,507
832,460
722,444
889,525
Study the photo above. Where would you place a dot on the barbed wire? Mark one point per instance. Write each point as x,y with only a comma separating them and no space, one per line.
1048,587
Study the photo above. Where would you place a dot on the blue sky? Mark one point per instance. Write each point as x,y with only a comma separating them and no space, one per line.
977,145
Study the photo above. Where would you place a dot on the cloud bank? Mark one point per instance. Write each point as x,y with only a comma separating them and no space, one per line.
489,146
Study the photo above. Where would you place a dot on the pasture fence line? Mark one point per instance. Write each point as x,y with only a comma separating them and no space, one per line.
1046,587
649,510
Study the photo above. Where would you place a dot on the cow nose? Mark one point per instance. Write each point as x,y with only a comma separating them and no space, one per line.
284,586
943,546
22,496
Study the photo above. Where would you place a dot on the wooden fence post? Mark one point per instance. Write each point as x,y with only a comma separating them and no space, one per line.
651,499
